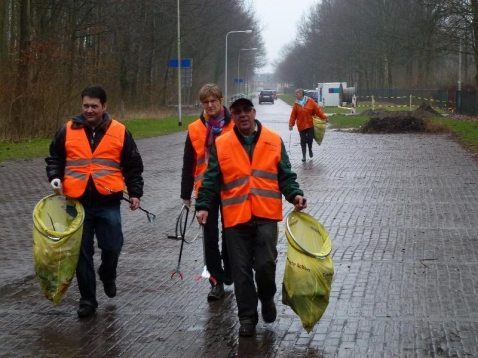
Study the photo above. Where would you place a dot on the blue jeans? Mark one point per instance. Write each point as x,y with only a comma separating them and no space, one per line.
253,247
105,222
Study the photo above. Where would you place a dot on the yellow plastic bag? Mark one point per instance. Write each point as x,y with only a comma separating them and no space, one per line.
309,268
57,233
319,129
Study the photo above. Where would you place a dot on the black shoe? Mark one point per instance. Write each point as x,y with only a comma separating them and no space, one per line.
216,293
86,311
247,330
269,311
110,288
303,159
228,280
311,154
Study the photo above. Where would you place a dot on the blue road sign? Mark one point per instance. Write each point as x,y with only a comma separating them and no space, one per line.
185,62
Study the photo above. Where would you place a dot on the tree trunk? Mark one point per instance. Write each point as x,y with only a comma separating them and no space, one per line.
474,7
20,104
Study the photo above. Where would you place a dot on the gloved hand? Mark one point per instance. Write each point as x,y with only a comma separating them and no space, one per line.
57,186
290,128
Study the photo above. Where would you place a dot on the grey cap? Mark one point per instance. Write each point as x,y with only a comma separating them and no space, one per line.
241,99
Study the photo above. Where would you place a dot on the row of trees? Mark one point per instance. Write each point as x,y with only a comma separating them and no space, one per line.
51,49
384,44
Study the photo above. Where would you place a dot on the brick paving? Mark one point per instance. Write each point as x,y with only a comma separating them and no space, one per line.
401,211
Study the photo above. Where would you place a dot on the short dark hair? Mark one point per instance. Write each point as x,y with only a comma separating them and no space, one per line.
94,92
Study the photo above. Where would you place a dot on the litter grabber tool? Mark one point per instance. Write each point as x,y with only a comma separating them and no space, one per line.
151,217
205,273
189,231
290,139
182,224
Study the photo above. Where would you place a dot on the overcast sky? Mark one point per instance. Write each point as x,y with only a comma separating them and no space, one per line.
279,19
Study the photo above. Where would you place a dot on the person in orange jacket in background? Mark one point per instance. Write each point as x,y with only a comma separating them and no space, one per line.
302,111
214,121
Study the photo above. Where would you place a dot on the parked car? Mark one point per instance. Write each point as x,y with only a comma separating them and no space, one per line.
314,94
266,96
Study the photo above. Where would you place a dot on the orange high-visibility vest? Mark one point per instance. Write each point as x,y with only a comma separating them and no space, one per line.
103,165
197,135
250,188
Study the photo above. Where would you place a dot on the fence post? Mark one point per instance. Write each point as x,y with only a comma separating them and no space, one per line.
410,103
373,103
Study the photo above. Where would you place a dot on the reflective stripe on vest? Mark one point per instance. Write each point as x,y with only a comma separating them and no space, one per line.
197,135
250,188
103,165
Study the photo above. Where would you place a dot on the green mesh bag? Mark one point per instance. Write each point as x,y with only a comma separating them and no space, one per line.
309,269
57,233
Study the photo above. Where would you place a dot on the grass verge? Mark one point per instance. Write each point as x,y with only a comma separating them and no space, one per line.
464,132
140,128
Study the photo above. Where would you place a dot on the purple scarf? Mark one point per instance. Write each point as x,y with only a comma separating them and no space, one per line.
213,129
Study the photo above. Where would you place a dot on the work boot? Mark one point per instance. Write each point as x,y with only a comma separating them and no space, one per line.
110,288
86,311
216,293
269,311
247,330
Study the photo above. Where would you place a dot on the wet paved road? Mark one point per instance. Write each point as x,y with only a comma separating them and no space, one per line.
401,211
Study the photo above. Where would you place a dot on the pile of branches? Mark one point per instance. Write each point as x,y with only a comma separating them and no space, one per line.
384,121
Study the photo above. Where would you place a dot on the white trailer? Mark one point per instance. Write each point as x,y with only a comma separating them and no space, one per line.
329,93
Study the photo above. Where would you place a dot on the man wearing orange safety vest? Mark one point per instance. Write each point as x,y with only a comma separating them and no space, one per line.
213,122
91,159
250,168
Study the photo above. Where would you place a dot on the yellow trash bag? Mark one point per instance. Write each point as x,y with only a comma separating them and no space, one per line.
319,129
57,233
309,269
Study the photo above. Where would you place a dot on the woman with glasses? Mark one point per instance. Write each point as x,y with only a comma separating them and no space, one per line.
213,121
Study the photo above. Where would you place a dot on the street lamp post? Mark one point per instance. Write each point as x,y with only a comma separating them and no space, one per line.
238,58
180,122
225,71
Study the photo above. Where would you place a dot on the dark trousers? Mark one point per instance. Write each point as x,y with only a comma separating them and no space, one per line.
253,247
211,244
306,139
105,222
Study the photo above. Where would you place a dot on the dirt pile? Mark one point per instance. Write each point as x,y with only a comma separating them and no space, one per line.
383,121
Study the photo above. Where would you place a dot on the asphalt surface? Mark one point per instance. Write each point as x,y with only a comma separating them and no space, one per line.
401,211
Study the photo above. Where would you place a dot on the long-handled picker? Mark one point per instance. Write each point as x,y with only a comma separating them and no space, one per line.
186,232
182,228
151,217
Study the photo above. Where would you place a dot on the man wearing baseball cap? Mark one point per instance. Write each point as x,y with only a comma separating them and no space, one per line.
250,169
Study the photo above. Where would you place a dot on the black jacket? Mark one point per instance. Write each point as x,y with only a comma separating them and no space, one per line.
189,157
131,161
